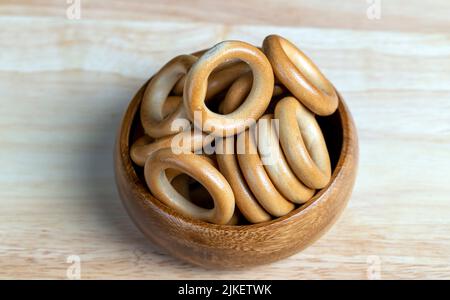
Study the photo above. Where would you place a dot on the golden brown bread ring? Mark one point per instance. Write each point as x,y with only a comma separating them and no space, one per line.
199,168
228,166
276,165
156,124
252,108
300,75
181,181
303,143
256,176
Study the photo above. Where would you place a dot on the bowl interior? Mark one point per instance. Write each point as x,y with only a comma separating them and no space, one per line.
332,129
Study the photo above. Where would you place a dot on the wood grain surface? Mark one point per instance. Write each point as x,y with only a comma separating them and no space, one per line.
64,85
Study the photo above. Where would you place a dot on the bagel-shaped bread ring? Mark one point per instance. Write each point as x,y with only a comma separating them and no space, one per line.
155,123
250,110
257,179
229,167
180,182
300,76
239,90
199,168
183,142
278,168
303,143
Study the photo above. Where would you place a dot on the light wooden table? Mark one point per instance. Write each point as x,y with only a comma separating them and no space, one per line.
64,85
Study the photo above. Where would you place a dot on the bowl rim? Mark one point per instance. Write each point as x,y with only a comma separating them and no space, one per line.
138,187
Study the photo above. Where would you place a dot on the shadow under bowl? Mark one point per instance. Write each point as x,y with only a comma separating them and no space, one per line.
226,246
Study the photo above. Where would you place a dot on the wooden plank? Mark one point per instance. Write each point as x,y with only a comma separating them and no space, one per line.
411,15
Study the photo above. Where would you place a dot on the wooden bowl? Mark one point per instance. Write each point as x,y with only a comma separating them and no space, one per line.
226,246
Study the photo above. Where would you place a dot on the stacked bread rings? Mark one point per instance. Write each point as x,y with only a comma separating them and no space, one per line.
201,115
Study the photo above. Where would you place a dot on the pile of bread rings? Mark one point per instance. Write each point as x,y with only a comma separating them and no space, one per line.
211,99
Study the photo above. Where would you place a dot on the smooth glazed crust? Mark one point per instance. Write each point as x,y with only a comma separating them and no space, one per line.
252,108
278,168
303,143
300,76
199,168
